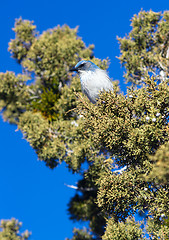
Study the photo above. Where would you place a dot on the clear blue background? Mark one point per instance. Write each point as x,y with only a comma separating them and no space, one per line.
29,191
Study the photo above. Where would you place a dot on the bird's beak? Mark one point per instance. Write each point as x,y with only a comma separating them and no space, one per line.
73,69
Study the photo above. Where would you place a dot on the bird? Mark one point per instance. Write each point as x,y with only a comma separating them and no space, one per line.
93,79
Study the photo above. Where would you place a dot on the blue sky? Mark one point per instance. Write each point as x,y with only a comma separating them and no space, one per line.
29,191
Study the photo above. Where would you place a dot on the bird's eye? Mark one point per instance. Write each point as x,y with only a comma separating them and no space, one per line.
82,64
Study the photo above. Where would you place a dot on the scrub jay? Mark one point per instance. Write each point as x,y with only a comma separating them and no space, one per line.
93,79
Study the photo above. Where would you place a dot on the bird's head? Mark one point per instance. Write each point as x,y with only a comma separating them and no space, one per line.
84,66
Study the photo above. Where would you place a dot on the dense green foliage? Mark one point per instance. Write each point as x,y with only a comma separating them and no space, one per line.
145,49
10,230
119,131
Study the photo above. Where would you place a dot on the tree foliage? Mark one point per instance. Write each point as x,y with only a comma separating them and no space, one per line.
10,230
145,50
81,234
119,131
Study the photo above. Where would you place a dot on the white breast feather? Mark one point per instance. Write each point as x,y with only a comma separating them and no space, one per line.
94,82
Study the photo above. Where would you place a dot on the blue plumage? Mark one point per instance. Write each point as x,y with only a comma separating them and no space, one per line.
87,65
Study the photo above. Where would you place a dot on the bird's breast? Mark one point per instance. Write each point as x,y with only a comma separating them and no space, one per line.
92,82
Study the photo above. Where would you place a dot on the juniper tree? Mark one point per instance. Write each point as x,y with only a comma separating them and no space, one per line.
10,230
128,131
